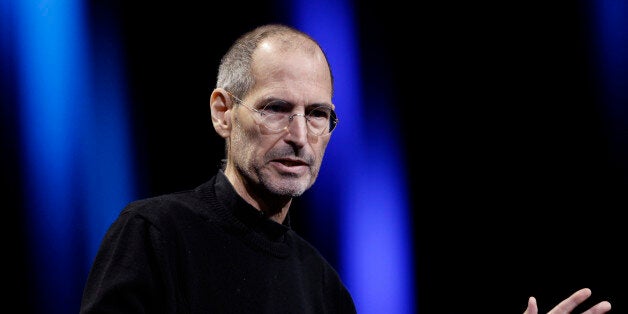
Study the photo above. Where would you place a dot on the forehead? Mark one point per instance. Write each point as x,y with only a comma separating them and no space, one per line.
294,67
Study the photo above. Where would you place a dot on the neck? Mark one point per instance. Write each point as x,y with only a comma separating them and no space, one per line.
274,206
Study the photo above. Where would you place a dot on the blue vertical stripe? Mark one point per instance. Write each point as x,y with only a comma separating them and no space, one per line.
611,63
51,72
362,180
75,145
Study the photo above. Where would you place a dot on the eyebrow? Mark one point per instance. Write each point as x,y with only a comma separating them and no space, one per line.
268,100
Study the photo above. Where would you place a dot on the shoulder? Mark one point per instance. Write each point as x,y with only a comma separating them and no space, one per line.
182,207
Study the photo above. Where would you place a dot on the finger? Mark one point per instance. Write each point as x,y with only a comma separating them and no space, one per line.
567,305
532,309
599,308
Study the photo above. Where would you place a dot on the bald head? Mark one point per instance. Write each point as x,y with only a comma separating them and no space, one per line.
235,71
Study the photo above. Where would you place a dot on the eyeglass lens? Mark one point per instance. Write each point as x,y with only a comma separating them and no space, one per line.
277,115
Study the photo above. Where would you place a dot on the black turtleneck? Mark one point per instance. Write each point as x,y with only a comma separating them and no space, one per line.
208,251
246,213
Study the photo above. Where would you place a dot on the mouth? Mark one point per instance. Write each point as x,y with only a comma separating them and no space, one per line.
291,166
291,162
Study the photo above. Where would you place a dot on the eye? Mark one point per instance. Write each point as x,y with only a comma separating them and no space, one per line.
277,106
320,112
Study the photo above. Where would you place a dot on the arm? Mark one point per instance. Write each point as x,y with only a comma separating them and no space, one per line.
567,305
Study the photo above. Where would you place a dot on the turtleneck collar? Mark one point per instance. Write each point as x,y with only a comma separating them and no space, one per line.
246,213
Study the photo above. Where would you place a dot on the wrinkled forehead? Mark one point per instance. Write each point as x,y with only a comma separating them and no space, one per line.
297,64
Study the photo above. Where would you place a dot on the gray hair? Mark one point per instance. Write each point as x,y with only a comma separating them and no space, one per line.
234,72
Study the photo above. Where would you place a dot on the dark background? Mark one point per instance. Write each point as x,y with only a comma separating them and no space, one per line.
517,187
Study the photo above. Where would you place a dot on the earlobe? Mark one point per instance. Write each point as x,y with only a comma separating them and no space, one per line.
219,104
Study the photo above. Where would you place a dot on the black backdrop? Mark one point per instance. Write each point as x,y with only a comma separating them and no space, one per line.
516,192
514,189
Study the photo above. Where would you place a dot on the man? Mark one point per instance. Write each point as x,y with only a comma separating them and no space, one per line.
227,246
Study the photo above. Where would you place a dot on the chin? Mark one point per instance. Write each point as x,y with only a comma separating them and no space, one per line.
291,188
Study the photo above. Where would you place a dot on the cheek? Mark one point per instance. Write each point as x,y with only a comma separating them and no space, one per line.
251,144
242,143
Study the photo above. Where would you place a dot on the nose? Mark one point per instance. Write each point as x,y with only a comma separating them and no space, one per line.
298,127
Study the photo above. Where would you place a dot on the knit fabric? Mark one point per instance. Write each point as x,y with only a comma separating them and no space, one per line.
208,251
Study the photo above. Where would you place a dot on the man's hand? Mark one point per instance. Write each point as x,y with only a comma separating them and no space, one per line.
567,305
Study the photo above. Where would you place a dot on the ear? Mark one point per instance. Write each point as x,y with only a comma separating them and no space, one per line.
220,104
